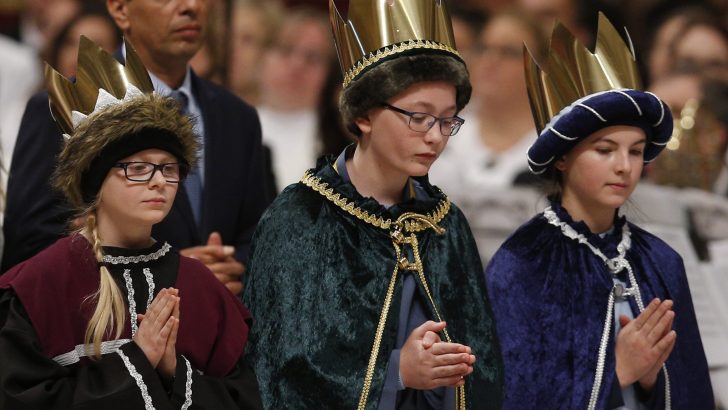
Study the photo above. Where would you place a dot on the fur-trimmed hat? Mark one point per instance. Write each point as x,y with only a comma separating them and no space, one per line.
115,132
110,112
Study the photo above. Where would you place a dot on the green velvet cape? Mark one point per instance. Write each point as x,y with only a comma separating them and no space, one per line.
318,276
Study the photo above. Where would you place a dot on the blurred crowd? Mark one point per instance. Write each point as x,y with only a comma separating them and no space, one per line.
279,56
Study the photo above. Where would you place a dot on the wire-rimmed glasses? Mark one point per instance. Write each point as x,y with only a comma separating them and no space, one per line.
423,122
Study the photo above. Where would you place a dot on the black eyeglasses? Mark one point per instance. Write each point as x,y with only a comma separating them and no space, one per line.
422,121
139,171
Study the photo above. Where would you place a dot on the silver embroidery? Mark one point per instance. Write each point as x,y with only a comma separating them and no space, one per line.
132,302
130,296
615,265
139,380
150,283
75,355
188,386
125,260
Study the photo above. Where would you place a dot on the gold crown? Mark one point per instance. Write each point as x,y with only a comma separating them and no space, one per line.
573,72
98,75
379,29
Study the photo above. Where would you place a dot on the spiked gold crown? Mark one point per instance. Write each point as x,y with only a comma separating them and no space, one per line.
380,29
573,72
99,77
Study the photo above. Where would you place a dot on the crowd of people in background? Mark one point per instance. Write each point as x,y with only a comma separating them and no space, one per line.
279,58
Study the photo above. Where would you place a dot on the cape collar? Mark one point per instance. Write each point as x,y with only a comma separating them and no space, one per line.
606,242
325,180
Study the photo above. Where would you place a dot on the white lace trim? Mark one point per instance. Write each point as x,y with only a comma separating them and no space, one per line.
132,302
130,296
75,355
615,265
150,283
125,260
139,380
188,386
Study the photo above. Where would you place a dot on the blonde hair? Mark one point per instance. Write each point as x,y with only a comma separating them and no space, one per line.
110,312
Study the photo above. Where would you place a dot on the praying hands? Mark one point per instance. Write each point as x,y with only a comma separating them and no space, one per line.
644,344
157,334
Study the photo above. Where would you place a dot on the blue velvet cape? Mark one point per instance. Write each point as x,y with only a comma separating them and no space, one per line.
317,281
549,294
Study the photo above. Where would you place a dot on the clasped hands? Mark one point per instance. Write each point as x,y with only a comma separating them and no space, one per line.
220,260
426,362
157,332
644,344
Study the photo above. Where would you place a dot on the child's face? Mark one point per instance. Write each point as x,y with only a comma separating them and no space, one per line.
135,204
601,171
400,150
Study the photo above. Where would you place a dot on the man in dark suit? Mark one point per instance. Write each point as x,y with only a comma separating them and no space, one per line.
215,214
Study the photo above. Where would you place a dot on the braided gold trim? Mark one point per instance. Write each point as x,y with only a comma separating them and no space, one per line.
409,225
374,57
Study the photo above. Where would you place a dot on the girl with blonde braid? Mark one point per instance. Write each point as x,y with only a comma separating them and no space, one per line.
108,318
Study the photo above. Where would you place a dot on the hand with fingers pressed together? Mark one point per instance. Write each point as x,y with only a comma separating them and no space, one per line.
220,259
426,362
644,344
168,364
157,334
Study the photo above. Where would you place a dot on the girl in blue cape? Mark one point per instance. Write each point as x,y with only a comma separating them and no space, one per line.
592,311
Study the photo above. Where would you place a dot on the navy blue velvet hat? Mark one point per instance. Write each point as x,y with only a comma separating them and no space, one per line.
577,92
596,111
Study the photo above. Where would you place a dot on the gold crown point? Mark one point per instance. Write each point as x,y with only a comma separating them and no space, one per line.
59,86
390,26
96,70
571,71
606,31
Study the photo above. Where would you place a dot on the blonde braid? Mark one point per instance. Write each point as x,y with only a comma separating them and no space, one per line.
110,312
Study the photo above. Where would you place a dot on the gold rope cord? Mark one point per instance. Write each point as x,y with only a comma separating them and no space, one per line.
378,336
411,223
460,390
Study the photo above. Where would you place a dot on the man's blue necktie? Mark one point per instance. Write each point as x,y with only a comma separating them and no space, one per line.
193,182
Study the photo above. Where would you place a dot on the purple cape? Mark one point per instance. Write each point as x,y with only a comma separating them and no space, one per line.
549,294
